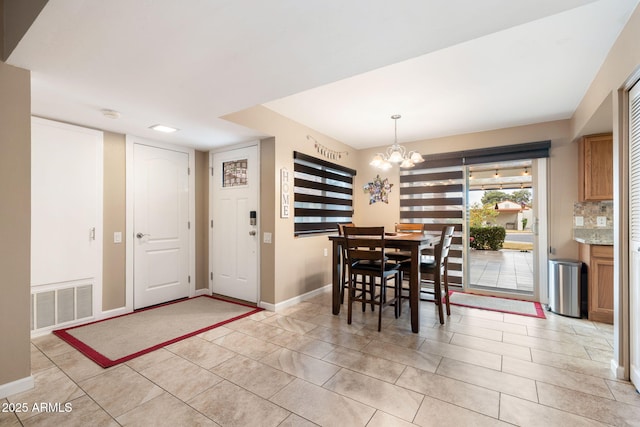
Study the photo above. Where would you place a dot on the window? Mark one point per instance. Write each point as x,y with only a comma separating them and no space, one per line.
323,195
234,173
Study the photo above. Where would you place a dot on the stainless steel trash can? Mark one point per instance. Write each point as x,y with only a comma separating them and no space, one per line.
565,290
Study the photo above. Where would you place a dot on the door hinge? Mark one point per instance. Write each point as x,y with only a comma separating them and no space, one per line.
189,279
212,275
188,171
211,223
188,225
211,170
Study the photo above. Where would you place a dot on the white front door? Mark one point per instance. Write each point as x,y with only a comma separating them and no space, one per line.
161,225
235,231
634,234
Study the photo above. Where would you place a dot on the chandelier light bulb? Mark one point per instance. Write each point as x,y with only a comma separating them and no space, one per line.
416,157
396,156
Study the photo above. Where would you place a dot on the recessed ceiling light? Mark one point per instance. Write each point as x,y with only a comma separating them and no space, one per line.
163,128
112,114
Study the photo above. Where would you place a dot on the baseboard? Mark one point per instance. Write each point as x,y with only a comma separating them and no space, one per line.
200,292
617,370
267,306
113,313
17,386
295,300
634,376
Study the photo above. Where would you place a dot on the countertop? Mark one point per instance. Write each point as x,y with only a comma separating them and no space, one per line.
594,241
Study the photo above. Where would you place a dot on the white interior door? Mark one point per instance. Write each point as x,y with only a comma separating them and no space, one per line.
66,197
161,225
634,234
234,247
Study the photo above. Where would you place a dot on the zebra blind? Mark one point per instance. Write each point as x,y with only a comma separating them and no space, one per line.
434,197
634,163
322,195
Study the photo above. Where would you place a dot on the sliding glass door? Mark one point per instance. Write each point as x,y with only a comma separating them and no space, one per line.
496,200
504,201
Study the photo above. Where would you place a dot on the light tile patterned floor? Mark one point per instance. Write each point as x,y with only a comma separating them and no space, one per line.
505,269
304,366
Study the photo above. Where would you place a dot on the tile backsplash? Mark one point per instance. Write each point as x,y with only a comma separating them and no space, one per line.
585,222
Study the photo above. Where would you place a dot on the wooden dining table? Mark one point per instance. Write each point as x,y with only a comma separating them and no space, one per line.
413,242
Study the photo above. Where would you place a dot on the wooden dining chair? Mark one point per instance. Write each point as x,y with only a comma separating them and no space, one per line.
434,274
366,257
344,283
399,256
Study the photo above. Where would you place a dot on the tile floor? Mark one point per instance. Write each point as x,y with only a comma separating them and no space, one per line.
505,269
305,367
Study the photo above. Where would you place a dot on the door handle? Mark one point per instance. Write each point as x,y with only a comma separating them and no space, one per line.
141,235
252,233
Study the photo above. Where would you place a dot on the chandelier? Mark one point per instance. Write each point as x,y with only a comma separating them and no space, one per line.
396,153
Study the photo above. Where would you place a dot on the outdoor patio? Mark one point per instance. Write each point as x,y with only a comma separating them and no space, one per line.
506,269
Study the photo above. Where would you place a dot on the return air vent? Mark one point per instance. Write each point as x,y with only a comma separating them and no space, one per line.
54,307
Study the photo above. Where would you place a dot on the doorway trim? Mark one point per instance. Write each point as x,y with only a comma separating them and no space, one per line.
130,238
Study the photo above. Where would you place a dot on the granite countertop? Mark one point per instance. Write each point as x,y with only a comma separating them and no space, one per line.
594,241
594,236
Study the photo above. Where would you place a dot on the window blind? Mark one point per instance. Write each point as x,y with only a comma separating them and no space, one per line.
529,150
323,195
634,163
434,197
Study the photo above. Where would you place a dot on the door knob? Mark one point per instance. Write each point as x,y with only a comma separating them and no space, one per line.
141,235
252,233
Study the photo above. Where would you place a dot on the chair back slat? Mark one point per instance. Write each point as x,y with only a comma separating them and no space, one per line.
365,243
409,227
442,249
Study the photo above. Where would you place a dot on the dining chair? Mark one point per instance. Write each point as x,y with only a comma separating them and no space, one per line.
344,283
399,255
366,257
434,272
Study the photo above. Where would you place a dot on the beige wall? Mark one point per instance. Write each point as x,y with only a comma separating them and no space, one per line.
202,219
268,215
15,227
299,263
114,219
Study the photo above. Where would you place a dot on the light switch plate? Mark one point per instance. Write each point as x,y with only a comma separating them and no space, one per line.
601,221
266,238
117,237
579,221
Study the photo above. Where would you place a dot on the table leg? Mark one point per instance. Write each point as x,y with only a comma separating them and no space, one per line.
335,271
414,289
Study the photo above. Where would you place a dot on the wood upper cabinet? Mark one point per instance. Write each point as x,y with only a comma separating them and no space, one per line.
599,261
596,168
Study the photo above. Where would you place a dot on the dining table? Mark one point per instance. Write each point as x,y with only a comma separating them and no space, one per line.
411,242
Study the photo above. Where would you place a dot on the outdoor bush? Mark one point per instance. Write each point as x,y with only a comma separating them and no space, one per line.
487,238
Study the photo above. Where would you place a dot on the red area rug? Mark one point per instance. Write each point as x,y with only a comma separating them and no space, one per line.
502,305
115,340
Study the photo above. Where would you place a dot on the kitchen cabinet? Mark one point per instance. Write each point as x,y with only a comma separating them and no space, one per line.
599,261
595,168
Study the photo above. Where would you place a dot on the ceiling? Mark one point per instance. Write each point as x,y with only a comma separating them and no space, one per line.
340,68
